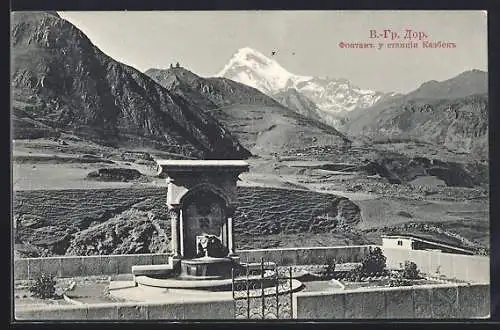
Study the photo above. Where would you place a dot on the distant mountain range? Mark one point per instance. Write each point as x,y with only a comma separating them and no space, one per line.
260,123
333,96
61,82
452,113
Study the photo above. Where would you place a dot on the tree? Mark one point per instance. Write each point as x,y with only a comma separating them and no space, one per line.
171,66
44,287
374,262
177,65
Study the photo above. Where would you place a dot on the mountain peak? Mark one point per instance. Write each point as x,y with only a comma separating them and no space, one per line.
245,51
252,68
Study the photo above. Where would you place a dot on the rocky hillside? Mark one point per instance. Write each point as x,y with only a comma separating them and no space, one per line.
259,122
451,113
298,102
118,221
208,93
61,82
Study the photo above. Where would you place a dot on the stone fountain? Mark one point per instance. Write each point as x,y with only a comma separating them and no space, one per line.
201,199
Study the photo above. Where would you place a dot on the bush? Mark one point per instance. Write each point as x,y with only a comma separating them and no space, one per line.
399,281
44,287
356,274
329,270
372,265
410,271
374,262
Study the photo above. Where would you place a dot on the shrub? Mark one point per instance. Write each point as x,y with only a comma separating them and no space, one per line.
356,274
399,281
44,287
374,262
329,269
410,271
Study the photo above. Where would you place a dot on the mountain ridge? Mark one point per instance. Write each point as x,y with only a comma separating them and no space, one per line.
261,123
452,113
60,81
333,96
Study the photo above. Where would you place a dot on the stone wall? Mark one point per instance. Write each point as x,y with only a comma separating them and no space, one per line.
68,266
462,267
422,302
306,256
222,309
468,268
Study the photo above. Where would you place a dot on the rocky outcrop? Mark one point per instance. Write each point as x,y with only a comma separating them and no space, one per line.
127,233
404,170
116,174
108,221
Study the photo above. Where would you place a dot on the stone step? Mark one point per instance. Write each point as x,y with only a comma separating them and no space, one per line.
145,270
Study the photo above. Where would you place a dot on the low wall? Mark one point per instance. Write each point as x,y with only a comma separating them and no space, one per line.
68,266
423,302
432,301
462,267
306,256
131,311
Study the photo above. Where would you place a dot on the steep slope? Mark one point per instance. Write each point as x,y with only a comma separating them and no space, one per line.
208,93
119,221
61,82
298,102
334,96
259,122
452,113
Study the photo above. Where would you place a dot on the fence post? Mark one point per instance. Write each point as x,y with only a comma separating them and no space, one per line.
263,298
232,289
276,281
248,293
291,292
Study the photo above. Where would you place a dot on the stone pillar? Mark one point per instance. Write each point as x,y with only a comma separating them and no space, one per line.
230,244
223,234
229,229
174,213
181,233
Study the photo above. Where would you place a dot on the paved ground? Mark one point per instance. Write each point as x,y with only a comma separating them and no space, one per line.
155,294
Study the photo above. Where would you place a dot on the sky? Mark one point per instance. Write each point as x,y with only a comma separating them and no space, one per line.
305,42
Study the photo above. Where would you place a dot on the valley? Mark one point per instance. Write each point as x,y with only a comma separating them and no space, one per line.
283,203
330,163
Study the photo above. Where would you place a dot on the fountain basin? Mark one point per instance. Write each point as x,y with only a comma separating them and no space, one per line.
207,268
143,293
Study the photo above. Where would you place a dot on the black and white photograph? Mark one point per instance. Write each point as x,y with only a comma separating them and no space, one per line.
250,165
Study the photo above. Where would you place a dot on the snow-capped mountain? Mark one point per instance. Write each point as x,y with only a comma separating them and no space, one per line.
335,96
